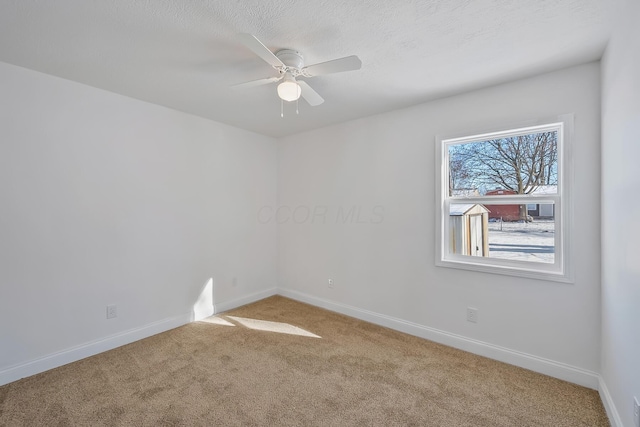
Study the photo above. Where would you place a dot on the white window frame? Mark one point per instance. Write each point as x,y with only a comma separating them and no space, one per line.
561,269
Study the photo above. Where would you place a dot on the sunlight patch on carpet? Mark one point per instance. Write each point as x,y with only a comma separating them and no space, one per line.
278,327
217,321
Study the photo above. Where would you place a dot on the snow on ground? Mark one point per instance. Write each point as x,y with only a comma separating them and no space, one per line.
526,241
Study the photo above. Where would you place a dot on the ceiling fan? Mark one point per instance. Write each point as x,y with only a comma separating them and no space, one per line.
290,65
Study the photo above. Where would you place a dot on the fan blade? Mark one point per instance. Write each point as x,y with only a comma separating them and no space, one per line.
348,63
260,49
309,95
254,83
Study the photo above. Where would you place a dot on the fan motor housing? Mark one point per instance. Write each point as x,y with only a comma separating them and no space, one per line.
291,58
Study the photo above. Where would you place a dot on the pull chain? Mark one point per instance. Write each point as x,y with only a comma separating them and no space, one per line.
281,108
297,106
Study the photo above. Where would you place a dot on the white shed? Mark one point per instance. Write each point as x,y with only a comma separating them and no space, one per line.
469,229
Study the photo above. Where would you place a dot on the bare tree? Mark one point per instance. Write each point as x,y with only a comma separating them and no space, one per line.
519,163
458,172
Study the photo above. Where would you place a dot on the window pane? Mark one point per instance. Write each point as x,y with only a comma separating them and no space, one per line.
474,230
520,164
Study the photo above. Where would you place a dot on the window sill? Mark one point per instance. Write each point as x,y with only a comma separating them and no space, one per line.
508,270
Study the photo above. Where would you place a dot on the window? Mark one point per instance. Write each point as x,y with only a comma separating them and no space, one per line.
504,203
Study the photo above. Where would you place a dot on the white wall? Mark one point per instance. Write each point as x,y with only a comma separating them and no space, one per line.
382,261
109,200
621,214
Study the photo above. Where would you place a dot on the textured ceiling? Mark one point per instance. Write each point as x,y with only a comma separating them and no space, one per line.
186,54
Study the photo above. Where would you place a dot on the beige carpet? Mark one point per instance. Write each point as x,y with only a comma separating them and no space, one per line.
236,370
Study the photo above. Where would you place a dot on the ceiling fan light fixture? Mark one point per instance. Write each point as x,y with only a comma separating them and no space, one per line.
289,90
290,64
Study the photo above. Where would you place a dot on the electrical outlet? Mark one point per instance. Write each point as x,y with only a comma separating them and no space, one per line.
636,411
330,283
112,311
472,314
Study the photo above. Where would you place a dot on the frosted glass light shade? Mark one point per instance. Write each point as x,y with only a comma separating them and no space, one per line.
289,90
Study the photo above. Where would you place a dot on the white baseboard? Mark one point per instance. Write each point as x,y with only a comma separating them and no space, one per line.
549,367
219,307
91,348
545,366
609,406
